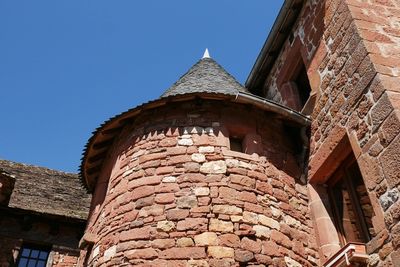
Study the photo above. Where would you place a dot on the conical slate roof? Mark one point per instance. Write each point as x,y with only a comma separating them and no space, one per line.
206,76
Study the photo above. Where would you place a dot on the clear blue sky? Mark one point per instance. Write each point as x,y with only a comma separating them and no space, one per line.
67,66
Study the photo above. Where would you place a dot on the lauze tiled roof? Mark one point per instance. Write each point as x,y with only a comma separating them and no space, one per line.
45,191
206,76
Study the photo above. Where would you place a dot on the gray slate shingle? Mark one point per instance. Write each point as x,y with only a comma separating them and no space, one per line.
206,76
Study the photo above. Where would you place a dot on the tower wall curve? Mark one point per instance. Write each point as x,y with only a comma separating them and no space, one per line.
173,192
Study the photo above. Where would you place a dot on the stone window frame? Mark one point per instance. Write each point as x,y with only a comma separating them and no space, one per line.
286,81
340,148
342,175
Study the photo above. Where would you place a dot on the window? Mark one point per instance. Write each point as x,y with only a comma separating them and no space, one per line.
33,256
351,206
303,85
236,144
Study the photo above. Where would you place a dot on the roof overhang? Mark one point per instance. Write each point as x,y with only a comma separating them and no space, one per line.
280,31
103,137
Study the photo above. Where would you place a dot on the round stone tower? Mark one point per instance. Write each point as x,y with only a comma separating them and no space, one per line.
206,175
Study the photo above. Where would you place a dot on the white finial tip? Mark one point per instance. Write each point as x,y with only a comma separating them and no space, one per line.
206,54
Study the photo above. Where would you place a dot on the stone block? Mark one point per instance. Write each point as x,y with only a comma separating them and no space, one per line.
202,191
184,242
251,245
389,198
183,253
227,209
220,226
213,167
145,253
198,157
229,240
219,252
269,222
206,239
243,255
177,214
186,202
196,224
165,226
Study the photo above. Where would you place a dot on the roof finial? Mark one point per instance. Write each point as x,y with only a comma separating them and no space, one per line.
206,54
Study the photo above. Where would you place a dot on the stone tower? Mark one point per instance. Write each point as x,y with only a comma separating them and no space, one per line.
207,175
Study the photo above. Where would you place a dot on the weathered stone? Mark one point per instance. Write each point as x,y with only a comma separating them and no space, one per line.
154,210
271,223
163,243
226,209
243,255
248,244
144,202
197,157
141,192
165,226
390,197
199,224
110,252
169,179
211,167
291,262
206,149
186,202
243,180
220,226
145,253
185,142
197,263
164,198
202,191
184,242
183,253
177,214
219,252
206,239
289,220
229,240
250,217
262,231
135,234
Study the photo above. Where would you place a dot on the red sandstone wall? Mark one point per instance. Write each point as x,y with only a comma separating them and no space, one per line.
351,52
177,196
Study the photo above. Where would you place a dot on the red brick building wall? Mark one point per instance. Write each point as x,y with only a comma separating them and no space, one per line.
350,49
172,192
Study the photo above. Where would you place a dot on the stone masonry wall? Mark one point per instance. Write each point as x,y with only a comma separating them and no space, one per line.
178,196
58,257
351,51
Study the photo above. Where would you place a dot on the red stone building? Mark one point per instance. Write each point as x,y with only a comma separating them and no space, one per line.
299,167
42,216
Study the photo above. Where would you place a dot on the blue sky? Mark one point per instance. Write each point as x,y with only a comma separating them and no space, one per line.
67,66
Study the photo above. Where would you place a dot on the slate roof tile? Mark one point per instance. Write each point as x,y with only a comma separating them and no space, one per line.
206,76
46,191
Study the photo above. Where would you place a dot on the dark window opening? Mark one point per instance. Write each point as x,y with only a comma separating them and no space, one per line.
33,256
236,144
303,85
351,206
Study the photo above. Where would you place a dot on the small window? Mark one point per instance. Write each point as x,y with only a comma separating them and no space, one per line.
303,85
33,256
236,144
351,206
